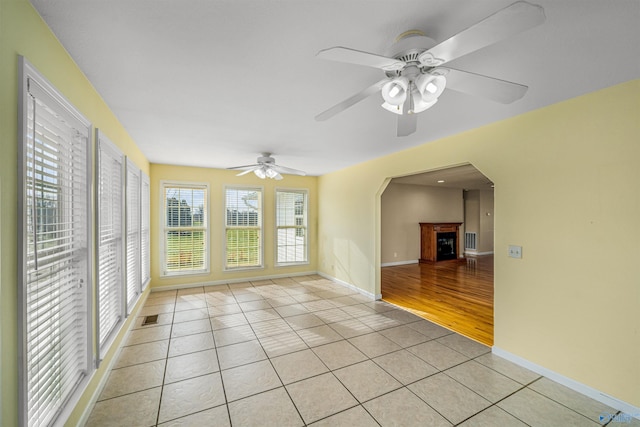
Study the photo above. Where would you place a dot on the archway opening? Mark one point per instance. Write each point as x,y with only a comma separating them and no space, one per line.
454,291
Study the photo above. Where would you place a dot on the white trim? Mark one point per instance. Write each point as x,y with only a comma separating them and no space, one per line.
352,287
288,264
305,192
190,185
591,392
239,187
392,264
44,89
475,253
272,276
103,143
229,281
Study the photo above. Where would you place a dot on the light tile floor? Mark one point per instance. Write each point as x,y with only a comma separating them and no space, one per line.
307,351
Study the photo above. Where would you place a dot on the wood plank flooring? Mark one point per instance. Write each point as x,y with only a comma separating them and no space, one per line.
455,294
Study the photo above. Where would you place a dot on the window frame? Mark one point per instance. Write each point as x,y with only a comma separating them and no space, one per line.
28,74
304,226
164,184
260,227
133,283
145,230
103,348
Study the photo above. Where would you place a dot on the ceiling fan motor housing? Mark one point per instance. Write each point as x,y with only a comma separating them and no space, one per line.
266,158
409,45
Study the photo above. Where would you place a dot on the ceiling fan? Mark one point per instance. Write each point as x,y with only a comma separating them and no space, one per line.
415,77
265,167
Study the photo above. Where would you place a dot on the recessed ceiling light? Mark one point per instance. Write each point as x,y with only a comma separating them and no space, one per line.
440,181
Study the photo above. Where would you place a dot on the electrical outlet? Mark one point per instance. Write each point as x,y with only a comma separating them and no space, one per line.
395,254
515,251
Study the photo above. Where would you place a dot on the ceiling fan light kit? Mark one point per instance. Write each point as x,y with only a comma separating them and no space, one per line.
430,86
395,109
395,91
414,79
419,104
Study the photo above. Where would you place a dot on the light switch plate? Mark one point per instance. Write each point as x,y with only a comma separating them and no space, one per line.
515,251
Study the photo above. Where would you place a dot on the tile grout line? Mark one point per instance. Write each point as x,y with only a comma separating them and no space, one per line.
166,361
224,390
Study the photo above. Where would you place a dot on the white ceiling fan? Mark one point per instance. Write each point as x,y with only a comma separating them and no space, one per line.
415,77
265,167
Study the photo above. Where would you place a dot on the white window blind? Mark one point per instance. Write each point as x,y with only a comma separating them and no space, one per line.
185,235
243,227
291,226
133,234
55,262
145,260
110,208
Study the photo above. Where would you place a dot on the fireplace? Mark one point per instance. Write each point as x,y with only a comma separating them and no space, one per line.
439,241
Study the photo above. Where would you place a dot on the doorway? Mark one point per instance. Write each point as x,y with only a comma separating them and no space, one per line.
455,293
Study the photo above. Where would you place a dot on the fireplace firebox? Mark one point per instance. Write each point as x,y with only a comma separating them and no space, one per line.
446,246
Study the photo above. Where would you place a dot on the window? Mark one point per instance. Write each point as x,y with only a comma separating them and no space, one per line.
55,247
291,226
137,231
134,275
145,234
243,227
185,234
110,208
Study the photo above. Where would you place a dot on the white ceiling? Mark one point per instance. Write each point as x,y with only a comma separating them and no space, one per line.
214,83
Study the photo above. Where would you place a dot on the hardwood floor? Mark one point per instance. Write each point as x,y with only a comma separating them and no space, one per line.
456,295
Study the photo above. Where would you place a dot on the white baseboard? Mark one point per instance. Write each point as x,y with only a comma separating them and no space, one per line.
352,287
476,253
227,281
591,392
275,276
391,264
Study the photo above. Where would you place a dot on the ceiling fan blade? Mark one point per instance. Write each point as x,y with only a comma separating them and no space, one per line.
246,172
483,86
358,57
283,169
340,107
407,122
244,167
511,20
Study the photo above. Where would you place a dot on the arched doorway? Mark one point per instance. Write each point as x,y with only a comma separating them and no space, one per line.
458,293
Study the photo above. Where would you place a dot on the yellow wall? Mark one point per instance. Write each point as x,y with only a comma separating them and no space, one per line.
22,32
566,189
217,179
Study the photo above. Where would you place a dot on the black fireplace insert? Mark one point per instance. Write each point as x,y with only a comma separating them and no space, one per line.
446,246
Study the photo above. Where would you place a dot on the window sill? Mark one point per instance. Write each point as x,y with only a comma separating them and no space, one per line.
292,264
232,269
185,274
